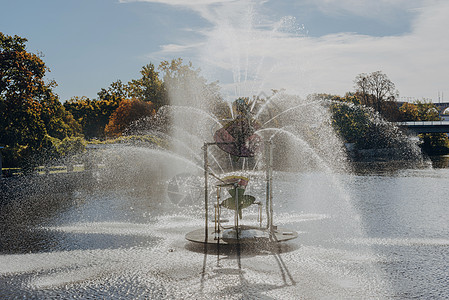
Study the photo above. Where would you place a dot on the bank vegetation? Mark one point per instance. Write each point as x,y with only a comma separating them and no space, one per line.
36,126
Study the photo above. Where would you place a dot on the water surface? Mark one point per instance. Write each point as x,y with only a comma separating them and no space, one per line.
379,234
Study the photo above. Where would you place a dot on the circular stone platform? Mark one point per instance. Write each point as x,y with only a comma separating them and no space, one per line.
247,234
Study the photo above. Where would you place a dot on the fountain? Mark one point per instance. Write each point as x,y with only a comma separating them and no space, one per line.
238,138
124,235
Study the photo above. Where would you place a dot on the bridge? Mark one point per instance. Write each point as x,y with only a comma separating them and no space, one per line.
442,107
426,126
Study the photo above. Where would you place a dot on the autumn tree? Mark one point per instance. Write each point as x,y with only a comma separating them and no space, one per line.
427,111
375,89
30,112
432,143
419,111
409,112
127,112
108,101
348,97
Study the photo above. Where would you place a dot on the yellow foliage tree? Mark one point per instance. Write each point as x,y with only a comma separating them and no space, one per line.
128,111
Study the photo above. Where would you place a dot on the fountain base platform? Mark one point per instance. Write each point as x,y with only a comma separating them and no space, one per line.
246,234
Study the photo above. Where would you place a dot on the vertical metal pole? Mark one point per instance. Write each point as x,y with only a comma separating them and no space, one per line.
206,193
236,216
217,212
270,168
267,180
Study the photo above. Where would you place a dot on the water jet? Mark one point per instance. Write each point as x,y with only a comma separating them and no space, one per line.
239,139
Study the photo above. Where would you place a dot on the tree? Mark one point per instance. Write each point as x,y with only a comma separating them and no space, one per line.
91,114
419,111
109,100
348,97
409,112
127,112
351,122
86,112
432,143
30,111
374,89
186,87
149,87
365,128
21,86
390,111
427,111
116,92
94,114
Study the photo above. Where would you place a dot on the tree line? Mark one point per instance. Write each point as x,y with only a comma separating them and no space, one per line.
376,93
35,126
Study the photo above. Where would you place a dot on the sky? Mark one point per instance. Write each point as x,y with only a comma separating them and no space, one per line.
251,47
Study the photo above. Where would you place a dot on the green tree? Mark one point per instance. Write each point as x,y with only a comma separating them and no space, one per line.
116,92
186,87
149,87
351,122
85,111
59,122
364,127
30,111
92,114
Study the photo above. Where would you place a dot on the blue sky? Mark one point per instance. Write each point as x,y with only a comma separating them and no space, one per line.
302,46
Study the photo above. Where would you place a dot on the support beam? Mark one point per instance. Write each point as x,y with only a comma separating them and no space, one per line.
426,126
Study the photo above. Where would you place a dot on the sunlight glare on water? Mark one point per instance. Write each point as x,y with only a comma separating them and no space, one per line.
141,259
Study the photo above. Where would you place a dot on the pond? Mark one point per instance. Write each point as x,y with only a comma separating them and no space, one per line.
379,232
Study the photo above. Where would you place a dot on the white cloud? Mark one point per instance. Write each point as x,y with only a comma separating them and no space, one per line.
175,48
366,8
259,54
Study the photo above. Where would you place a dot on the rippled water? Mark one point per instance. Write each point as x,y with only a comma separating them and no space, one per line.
381,235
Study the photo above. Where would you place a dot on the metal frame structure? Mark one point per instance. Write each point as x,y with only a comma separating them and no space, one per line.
239,233
269,192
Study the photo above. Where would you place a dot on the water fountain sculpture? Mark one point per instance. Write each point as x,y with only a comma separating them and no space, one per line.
238,138
121,234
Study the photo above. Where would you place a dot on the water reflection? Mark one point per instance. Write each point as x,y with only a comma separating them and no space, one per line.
406,223
440,162
387,168
129,243
392,168
21,216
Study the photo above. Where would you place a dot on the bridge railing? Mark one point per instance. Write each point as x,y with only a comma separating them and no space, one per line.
423,123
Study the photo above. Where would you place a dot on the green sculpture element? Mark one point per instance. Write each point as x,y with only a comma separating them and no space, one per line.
243,200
